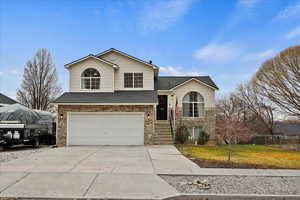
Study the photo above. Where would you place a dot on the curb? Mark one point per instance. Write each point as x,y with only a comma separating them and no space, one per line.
233,197
177,197
198,174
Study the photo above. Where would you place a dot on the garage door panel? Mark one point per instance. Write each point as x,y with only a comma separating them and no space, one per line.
106,129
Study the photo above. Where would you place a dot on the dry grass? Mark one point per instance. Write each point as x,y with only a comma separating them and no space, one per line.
261,155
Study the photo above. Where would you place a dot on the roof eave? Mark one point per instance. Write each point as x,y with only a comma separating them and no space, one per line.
67,66
127,55
179,85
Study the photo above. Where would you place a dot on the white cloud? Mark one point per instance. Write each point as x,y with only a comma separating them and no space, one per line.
218,52
176,71
248,3
293,33
290,11
160,15
259,55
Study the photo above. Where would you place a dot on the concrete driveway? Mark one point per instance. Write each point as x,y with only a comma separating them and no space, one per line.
95,172
105,159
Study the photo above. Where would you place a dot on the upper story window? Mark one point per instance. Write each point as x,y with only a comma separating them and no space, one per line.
133,80
193,105
90,79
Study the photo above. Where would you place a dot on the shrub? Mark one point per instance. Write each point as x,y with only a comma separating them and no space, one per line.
202,138
182,135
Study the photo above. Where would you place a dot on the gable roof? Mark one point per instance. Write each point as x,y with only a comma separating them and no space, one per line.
170,82
94,57
127,55
6,100
121,97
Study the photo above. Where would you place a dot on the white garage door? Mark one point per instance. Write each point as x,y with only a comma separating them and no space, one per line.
109,128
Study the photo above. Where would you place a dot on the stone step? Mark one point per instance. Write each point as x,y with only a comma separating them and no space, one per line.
162,127
162,132
163,140
163,136
166,127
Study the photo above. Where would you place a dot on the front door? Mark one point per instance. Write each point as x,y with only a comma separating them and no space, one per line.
162,107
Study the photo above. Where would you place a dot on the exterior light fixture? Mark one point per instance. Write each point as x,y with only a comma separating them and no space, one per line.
61,116
148,116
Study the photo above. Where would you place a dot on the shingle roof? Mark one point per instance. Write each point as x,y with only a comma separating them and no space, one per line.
147,96
287,128
169,82
6,100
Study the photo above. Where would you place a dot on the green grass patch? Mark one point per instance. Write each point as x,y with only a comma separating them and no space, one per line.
262,155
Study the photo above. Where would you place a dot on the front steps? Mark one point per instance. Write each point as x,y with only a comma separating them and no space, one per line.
163,133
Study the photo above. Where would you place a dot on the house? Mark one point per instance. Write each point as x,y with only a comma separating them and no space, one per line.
118,99
5,100
287,128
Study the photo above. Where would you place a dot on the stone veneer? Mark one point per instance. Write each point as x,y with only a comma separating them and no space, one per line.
61,136
208,122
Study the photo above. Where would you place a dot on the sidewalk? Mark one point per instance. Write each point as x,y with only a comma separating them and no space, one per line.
243,172
84,186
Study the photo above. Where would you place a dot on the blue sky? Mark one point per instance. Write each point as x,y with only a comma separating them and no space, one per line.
226,39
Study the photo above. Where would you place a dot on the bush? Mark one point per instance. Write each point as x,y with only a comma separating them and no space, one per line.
202,138
182,135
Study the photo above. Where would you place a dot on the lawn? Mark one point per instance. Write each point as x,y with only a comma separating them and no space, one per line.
242,156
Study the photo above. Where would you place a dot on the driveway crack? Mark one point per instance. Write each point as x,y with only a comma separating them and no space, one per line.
15,182
83,159
154,171
90,185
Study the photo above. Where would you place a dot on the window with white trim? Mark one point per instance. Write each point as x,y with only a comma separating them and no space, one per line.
90,79
193,105
194,132
133,80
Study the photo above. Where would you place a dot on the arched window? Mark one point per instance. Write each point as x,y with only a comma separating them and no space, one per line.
193,105
90,79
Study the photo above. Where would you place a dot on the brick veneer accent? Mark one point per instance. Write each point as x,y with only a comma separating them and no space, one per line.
208,122
64,109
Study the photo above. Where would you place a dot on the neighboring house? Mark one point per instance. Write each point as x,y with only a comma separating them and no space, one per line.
287,128
117,99
5,100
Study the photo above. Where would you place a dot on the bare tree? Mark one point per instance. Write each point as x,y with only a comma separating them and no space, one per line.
261,108
40,82
232,131
232,120
278,79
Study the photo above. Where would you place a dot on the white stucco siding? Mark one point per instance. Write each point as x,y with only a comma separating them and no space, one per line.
106,72
129,65
207,92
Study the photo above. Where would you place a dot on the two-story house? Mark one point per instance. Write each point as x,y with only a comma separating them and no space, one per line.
117,99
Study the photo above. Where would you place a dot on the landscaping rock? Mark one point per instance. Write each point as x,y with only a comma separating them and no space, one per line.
235,184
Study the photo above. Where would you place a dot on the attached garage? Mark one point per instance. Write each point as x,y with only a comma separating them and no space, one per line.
105,128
